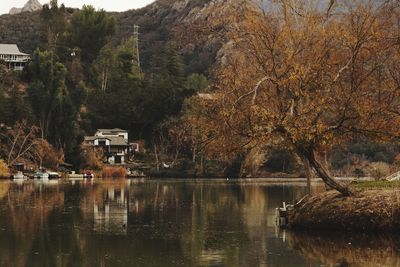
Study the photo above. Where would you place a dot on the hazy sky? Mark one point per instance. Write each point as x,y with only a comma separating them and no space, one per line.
109,5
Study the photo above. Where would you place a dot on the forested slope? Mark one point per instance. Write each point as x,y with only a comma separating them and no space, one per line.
22,29
157,23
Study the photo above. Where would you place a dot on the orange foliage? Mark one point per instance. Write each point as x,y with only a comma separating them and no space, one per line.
4,170
305,79
93,158
114,172
47,155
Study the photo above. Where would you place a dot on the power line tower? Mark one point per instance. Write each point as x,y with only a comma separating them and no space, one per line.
136,54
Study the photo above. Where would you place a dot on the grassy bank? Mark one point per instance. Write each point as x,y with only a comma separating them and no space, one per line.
373,209
381,184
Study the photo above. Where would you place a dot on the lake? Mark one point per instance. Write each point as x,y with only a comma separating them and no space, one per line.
169,223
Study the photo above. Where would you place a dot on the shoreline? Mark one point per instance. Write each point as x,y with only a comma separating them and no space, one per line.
255,179
366,210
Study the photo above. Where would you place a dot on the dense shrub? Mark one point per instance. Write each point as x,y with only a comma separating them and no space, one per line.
4,171
378,170
92,158
114,172
374,151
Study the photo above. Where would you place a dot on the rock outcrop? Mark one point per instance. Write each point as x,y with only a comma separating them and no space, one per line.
30,6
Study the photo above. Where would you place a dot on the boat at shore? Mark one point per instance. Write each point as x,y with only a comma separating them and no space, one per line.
85,175
18,176
136,174
53,175
41,175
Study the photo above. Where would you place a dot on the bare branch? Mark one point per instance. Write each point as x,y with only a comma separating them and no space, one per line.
345,67
254,91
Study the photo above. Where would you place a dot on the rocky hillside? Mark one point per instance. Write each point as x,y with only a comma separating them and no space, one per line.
30,6
158,24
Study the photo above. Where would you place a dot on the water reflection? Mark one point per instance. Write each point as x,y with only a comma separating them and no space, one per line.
346,249
152,223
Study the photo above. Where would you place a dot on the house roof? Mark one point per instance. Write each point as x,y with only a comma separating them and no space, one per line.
115,130
114,140
91,138
11,49
117,141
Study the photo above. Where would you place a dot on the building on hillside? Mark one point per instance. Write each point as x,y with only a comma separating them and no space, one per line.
114,143
12,57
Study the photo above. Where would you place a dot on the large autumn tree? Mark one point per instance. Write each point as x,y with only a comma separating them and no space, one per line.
308,75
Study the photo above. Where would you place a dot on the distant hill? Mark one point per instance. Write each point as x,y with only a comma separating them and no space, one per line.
157,23
30,6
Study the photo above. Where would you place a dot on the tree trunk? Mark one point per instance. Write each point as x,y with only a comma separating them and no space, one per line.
176,157
307,168
194,153
325,176
157,159
202,164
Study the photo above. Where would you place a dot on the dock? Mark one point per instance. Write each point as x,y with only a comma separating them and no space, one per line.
282,215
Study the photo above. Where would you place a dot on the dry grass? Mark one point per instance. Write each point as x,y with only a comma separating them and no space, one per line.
114,172
4,170
378,170
381,184
366,210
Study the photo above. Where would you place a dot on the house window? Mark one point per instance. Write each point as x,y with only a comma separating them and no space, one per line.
102,143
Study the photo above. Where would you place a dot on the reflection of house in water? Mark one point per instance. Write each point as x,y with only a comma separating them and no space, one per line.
112,216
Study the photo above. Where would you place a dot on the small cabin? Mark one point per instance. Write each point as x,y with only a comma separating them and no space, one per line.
12,57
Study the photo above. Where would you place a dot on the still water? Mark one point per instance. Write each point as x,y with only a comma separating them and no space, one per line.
168,223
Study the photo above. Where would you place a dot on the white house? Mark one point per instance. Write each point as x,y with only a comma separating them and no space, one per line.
114,142
14,59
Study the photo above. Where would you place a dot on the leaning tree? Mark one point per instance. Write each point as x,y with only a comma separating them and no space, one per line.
306,76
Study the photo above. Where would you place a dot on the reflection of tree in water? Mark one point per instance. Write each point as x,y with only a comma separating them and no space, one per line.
4,187
25,210
165,224
209,238
348,249
176,224
259,215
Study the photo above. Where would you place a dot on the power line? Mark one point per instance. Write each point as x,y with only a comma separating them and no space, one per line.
136,48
